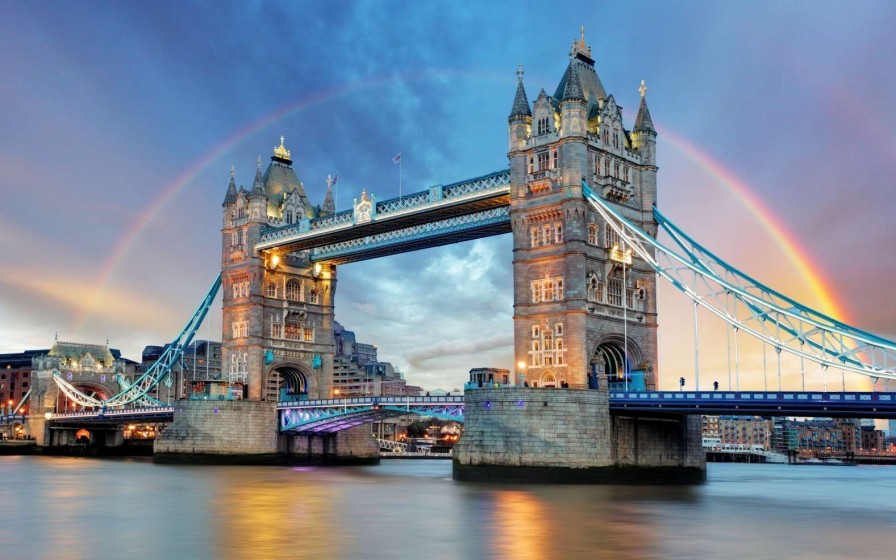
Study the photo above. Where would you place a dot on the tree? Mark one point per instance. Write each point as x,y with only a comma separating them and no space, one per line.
417,429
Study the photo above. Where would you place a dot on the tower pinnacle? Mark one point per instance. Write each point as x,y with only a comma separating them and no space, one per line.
642,89
579,47
521,108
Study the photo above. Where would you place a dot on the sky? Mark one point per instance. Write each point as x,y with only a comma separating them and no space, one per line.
119,123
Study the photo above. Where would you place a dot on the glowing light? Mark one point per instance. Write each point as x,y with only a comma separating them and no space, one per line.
521,365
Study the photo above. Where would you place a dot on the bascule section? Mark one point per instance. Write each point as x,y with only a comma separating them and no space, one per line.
278,305
584,304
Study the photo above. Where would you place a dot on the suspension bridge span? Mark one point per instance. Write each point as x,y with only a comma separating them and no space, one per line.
580,201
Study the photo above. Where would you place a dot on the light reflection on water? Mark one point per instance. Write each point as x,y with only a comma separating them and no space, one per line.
96,509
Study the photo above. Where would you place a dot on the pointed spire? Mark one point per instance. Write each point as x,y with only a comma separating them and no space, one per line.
579,47
573,89
258,184
329,206
281,154
230,197
643,122
520,102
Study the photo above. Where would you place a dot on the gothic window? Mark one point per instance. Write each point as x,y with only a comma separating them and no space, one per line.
234,239
271,290
555,163
606,137
308,334
616,172
240,212
536,236
277,330
314,296
615,139
543,160
531,164
614,291
606,167
547,289
625,173
289,216
546,233
592,234
558,232
293,328
244,329
536,331
536,291
559,291
236,330
543,125
294,290
611,236
595,160
558,329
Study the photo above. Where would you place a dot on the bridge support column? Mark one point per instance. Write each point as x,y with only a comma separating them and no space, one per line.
227,432
518,434
354,446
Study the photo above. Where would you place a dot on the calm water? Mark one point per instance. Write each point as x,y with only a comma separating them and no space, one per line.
97,509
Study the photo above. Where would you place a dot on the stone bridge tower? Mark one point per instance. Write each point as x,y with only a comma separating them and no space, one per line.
584,305
278,308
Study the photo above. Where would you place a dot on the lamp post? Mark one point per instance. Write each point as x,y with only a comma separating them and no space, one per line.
521,373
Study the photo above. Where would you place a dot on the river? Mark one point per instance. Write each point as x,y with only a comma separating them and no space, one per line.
72,508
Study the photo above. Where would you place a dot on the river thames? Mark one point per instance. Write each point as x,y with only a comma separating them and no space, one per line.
71,508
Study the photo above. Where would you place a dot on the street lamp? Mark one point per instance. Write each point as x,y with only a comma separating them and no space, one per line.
521,372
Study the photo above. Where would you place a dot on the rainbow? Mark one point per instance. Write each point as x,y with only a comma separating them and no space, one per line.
770,222
766,217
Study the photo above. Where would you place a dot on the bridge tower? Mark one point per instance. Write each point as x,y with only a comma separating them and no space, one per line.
583,304
277,337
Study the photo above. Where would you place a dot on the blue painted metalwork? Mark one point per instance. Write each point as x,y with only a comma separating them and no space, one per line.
333,415
137,391
785,403
772,318
420,233
431,200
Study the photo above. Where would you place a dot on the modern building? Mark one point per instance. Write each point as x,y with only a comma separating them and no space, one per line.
357,372
483,376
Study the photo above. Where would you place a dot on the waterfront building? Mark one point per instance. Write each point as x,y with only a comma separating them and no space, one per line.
486,376
357,372
873,441
16,376
746,430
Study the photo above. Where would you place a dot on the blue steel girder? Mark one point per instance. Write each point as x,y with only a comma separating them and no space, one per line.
766,316
333,415
434,204
495,221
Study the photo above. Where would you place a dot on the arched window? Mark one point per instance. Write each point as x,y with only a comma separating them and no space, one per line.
293,328
289,216
592,234
558,232
555,160
294,290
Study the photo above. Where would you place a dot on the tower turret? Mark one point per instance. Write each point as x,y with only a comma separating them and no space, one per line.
258,198
328,208
644,140
520,119
572,105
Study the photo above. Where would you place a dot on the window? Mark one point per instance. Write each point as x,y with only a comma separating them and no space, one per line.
289,216
555,163
271,290
547,349
594,287
294,290
606,136
625,173
611,236
293,328
614,291
606,167
277,330
616,171
314,296
531,164
308,334
535,236
558,329
592,234
547,289
558,232
543,125
543,160
546,233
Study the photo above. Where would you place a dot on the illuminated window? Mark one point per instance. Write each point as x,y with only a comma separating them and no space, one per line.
294,290
271,290
611,236
547,289
308,334
293,328
592,234
535,234
543,160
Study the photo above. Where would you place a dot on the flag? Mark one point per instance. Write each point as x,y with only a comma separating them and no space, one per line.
397,158
335,177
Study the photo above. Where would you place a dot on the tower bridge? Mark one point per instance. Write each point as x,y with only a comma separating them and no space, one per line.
580,200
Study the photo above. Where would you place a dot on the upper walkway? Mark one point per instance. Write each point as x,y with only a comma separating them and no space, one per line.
440,215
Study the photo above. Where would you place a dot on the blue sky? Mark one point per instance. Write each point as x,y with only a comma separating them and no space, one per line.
105,106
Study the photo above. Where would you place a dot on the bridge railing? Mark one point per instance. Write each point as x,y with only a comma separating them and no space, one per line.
352,401
435,196
785,396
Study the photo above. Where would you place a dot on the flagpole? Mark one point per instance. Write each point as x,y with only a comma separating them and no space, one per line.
399,175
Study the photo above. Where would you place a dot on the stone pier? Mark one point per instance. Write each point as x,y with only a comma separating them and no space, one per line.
246,432
526,435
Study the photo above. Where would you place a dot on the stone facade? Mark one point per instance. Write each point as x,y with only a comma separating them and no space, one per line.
278,308
515,434
583,304
229,431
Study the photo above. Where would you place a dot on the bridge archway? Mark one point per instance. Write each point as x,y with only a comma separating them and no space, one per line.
291,381
65,404
614,357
